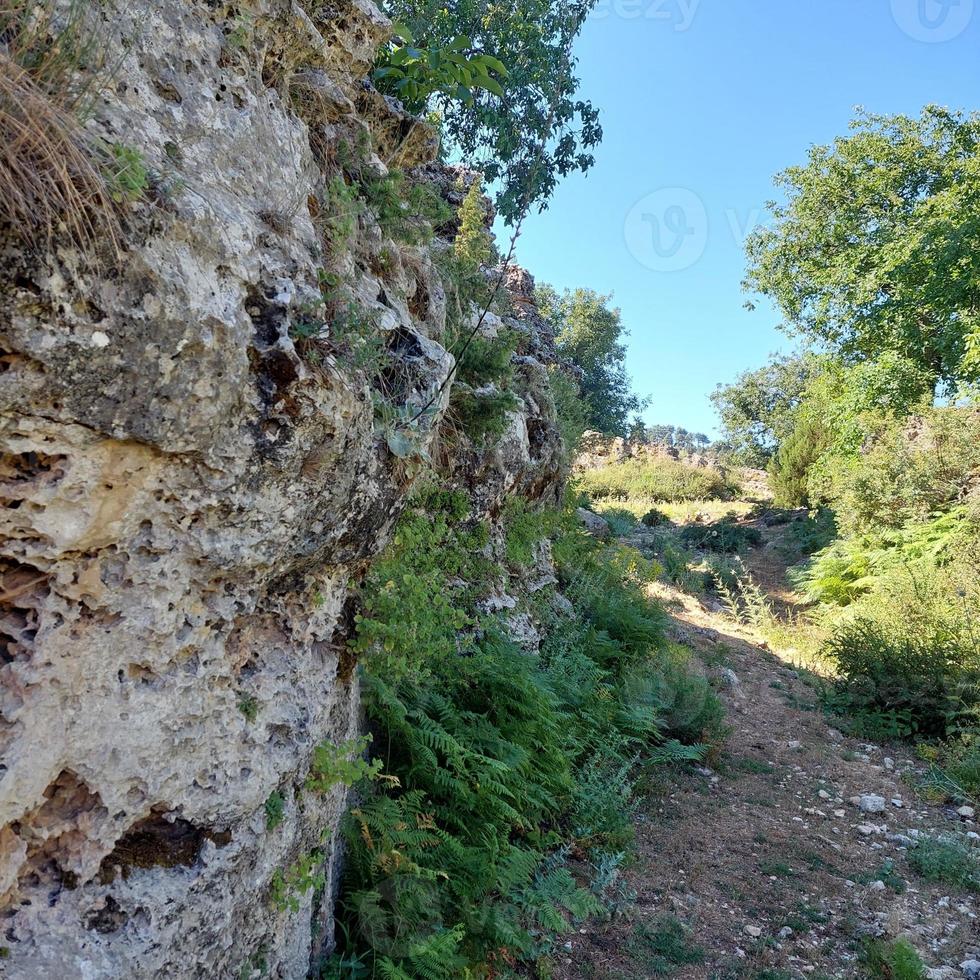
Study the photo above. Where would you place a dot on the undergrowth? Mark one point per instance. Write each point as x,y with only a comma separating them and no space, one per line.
655,480
506,764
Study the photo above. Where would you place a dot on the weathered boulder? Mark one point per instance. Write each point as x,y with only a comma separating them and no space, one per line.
595,525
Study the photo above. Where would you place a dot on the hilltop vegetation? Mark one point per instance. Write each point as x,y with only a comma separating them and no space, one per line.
657,481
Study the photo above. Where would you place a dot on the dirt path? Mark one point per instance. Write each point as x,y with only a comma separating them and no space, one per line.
761,867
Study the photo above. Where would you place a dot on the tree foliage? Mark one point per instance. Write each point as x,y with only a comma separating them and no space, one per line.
415,74
503,137
789,468
758,409
674,436
590,334
877,245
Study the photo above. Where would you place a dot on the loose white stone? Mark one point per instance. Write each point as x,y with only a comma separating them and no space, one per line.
871,803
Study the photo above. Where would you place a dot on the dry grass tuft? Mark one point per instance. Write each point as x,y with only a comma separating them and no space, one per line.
49,178
50,175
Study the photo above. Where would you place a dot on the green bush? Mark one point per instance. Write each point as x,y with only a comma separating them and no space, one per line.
622,521
911,470
959,762
407,211
666,945
571,409
789,469
894,960
948,861
907,683
662,480
655,518
808,536
855,566
726,536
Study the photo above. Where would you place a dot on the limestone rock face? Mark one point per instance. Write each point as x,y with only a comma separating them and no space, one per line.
189,498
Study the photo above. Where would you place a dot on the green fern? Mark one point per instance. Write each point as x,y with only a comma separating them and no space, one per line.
504,761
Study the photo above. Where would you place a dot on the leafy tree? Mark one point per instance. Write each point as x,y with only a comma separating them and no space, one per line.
758,409
590,333
503,137
675,435
877,246
660,435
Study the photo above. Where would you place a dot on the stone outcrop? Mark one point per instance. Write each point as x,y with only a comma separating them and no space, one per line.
190,497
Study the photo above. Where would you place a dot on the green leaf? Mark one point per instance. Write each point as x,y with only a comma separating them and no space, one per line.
400,443
494,63
400,30
491,85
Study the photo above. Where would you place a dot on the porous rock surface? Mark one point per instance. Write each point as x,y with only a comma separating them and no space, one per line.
189,502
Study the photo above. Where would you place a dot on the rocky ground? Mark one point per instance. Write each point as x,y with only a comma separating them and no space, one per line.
782,856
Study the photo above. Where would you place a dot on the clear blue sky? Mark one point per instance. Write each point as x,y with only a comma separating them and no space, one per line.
711,99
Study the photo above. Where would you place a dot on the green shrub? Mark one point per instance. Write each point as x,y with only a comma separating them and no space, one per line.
904,684
726,536
910,470
275,810
571,409
906,649
482,415
855,566
838,575
681,698
620,520
808,536
894,960
789,469
655,518
665,946
127,177
473,244
524,528
406,210
959,762
948,861
663,480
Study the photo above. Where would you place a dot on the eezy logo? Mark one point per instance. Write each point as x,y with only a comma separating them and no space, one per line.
933,21
679,13
667,231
